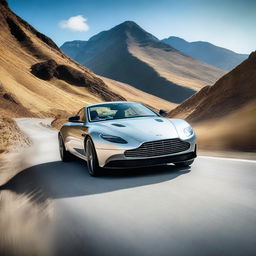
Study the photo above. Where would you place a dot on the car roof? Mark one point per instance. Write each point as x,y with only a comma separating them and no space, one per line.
109,102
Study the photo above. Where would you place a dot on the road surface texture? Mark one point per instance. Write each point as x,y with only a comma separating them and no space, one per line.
207,209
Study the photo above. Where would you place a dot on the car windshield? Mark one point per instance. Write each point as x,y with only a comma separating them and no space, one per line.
112,111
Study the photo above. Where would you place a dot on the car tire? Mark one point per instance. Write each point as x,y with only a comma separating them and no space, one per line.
184,163
92,160
64,154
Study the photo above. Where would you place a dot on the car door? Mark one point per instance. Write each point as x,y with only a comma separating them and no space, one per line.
77,132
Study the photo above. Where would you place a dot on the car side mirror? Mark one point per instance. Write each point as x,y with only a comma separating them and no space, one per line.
74,118
163,112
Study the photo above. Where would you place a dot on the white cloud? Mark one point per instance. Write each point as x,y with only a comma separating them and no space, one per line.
75,23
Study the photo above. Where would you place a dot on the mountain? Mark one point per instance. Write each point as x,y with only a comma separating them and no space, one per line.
129,54
231,92
225,112
71,48
37,79
211,54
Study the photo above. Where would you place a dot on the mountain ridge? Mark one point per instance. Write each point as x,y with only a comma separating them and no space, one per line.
124,53
207,52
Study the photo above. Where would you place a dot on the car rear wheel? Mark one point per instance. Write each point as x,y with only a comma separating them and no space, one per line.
92,160
64,154
184,164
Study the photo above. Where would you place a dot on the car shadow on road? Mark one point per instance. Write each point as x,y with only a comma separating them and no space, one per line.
60,180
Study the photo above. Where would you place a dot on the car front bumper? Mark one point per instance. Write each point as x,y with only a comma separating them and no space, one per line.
115,158
135,163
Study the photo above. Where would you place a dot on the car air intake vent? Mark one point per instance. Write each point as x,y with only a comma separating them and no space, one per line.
119,125
159,120
158,148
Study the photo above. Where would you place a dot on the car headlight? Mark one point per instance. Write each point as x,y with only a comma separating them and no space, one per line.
113,139
188,131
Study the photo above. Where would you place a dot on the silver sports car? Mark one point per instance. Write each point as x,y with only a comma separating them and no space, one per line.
126,135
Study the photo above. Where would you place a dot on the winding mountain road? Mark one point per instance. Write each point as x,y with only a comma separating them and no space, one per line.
207,209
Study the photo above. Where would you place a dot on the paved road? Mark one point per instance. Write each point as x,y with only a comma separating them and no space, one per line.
208,209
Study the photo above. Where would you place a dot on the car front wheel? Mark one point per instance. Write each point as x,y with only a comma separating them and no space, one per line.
92,160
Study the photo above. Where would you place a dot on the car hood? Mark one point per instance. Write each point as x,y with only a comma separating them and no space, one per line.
140,129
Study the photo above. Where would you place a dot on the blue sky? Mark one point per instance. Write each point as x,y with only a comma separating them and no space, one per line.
227,23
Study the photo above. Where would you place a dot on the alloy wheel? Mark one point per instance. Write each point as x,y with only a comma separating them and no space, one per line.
90,158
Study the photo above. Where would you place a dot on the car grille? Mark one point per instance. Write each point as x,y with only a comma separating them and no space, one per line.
158,148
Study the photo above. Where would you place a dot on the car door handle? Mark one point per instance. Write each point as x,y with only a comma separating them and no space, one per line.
83,135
